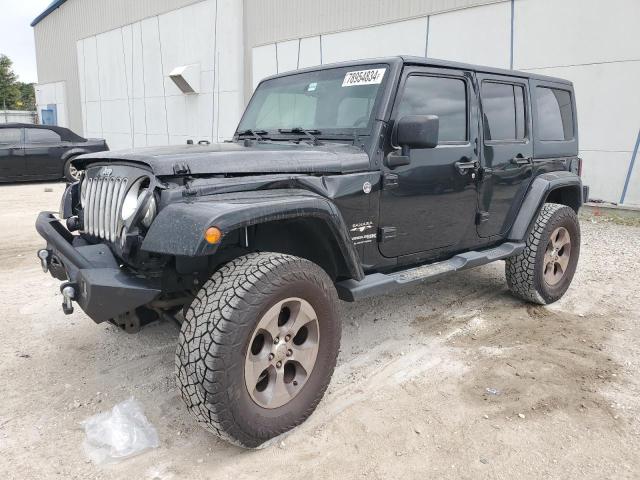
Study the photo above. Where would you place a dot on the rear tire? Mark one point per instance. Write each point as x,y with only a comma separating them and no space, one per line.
225,331
543,272
71,173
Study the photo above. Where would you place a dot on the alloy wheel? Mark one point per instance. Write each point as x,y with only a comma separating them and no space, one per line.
556,256
282,352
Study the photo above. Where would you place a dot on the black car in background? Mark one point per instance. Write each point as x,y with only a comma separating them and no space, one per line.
42,152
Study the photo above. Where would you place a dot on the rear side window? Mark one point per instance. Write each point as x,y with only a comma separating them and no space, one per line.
41,135
555,114
441,96
503,111
10,136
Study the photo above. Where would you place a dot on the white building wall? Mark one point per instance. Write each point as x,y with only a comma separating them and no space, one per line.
127,96
53,93
408,36
595,45
591,44
480,35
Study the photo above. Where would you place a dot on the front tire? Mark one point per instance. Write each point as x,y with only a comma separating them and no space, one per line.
71,173
543,272
258,347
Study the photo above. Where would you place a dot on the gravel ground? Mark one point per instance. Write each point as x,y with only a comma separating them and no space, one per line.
408,399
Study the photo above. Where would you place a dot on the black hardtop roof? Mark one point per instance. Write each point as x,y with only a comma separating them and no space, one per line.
427,62
65,133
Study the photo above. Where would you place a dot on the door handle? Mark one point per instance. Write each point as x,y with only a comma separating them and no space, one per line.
521,160
464,165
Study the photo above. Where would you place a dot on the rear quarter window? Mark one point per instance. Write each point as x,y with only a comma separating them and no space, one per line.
555,114
42,135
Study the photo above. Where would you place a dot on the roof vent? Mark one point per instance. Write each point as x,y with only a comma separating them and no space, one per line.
187,78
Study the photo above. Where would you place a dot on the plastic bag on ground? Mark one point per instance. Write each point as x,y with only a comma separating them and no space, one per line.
120,433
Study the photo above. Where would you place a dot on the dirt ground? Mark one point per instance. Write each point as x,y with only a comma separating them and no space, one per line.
408,399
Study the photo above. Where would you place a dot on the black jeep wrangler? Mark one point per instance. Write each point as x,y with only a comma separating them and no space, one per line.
342,181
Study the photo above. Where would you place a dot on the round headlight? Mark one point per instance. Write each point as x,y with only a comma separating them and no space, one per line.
150,212
130,204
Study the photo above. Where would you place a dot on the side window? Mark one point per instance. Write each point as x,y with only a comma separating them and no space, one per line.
41,135
10,136
441,96
555,114
503,107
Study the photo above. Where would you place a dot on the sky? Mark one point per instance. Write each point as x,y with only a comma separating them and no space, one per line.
16,35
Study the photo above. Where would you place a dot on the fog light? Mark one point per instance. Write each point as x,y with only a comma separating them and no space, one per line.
212,235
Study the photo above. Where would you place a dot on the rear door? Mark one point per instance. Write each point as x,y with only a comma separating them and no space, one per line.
43,148
12,164
507,160
431,203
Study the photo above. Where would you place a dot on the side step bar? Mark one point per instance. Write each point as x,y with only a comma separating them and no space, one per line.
380,284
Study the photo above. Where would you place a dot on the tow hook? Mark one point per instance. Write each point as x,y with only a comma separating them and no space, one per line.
43,255
68,295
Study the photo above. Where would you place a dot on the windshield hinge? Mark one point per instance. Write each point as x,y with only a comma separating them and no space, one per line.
387,233
482,217
181,169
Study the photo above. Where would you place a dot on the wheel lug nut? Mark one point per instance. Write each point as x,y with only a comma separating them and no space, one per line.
279,364
287,338
271,356
289,353
276,340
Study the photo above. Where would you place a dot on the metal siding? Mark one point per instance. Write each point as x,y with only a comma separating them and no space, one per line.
269,21
57,34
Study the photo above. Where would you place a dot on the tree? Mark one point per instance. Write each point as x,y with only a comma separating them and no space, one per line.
9,90
27,96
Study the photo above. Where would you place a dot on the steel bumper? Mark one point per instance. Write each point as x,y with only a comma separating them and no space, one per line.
98,284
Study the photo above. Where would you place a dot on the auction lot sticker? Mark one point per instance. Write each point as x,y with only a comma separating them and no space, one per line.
364,77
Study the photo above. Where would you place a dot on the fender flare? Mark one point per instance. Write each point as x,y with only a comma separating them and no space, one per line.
179,227
537,195
73,152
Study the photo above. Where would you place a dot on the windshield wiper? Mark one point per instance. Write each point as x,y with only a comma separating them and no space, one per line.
311,133
257,134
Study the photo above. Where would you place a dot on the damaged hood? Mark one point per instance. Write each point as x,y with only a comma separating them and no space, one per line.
240,158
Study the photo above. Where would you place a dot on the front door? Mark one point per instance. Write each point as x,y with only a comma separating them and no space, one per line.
42,149
12,164
507,151
431,203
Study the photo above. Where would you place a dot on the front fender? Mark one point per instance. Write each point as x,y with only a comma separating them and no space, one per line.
179,227
540,189
73,152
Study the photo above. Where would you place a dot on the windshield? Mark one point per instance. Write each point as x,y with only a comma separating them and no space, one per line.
336,100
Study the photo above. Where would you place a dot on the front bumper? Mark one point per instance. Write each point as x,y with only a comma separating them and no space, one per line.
102,289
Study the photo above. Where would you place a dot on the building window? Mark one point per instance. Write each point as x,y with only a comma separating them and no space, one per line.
10,136
503,111
441,96
41,135
555,114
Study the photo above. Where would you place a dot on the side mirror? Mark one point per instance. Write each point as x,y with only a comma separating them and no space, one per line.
417,131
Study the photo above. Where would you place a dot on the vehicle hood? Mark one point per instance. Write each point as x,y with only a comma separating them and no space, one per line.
241,158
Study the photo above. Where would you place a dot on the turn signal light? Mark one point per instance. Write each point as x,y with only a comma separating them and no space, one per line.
212,235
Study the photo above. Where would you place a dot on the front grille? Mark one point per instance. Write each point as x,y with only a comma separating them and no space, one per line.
102,205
